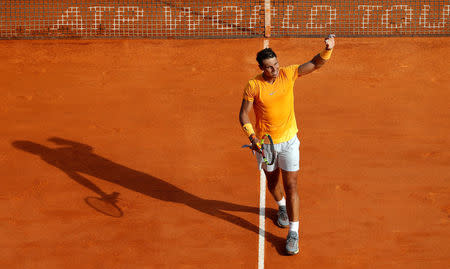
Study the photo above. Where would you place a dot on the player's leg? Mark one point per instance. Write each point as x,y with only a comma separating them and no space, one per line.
274,184
293,207
289,162
275,187
272,173
289,159
292,198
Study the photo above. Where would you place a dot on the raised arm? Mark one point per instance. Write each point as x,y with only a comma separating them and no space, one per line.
318,60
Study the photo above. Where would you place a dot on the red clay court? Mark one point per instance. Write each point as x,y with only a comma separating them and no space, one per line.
152,124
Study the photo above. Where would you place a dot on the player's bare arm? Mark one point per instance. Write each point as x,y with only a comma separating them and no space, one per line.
244,118
318,60
246,107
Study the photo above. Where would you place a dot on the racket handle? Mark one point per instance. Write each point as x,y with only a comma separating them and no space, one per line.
259,145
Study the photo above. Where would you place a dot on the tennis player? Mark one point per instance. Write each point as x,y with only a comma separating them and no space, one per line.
271,95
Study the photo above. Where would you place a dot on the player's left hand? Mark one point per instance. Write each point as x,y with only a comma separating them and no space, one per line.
329,42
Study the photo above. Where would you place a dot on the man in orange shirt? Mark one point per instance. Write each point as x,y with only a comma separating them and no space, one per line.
271,95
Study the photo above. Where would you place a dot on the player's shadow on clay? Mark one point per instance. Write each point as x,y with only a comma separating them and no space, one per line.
75,159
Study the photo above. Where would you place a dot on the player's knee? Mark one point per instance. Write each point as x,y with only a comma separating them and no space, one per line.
291,188
272,178
271,185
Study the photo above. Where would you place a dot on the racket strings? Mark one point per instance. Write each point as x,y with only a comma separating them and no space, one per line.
269,153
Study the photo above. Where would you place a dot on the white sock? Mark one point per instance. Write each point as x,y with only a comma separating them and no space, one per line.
293,226
282,202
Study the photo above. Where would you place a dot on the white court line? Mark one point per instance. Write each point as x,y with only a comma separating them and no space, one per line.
267,18
262,176
262,207
262,218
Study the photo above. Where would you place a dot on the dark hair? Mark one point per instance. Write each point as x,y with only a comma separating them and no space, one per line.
265,54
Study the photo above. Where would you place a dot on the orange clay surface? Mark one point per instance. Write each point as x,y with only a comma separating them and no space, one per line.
157,122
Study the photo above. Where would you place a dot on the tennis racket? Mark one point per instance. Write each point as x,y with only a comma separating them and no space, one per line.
267,149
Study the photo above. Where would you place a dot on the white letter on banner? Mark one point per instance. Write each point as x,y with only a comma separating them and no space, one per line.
172,24
120,18
76,21
99,14
222,25
287,19
368,10
254,17
408,17
200,18
423,17
314,11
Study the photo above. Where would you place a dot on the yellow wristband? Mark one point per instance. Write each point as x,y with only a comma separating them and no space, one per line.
248,129
326,54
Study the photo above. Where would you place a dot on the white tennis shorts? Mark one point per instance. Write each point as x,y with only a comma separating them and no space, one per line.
287,156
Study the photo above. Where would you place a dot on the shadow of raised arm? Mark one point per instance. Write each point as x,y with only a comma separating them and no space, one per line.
76,145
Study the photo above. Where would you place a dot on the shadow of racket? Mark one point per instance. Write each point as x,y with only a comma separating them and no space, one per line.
105,205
